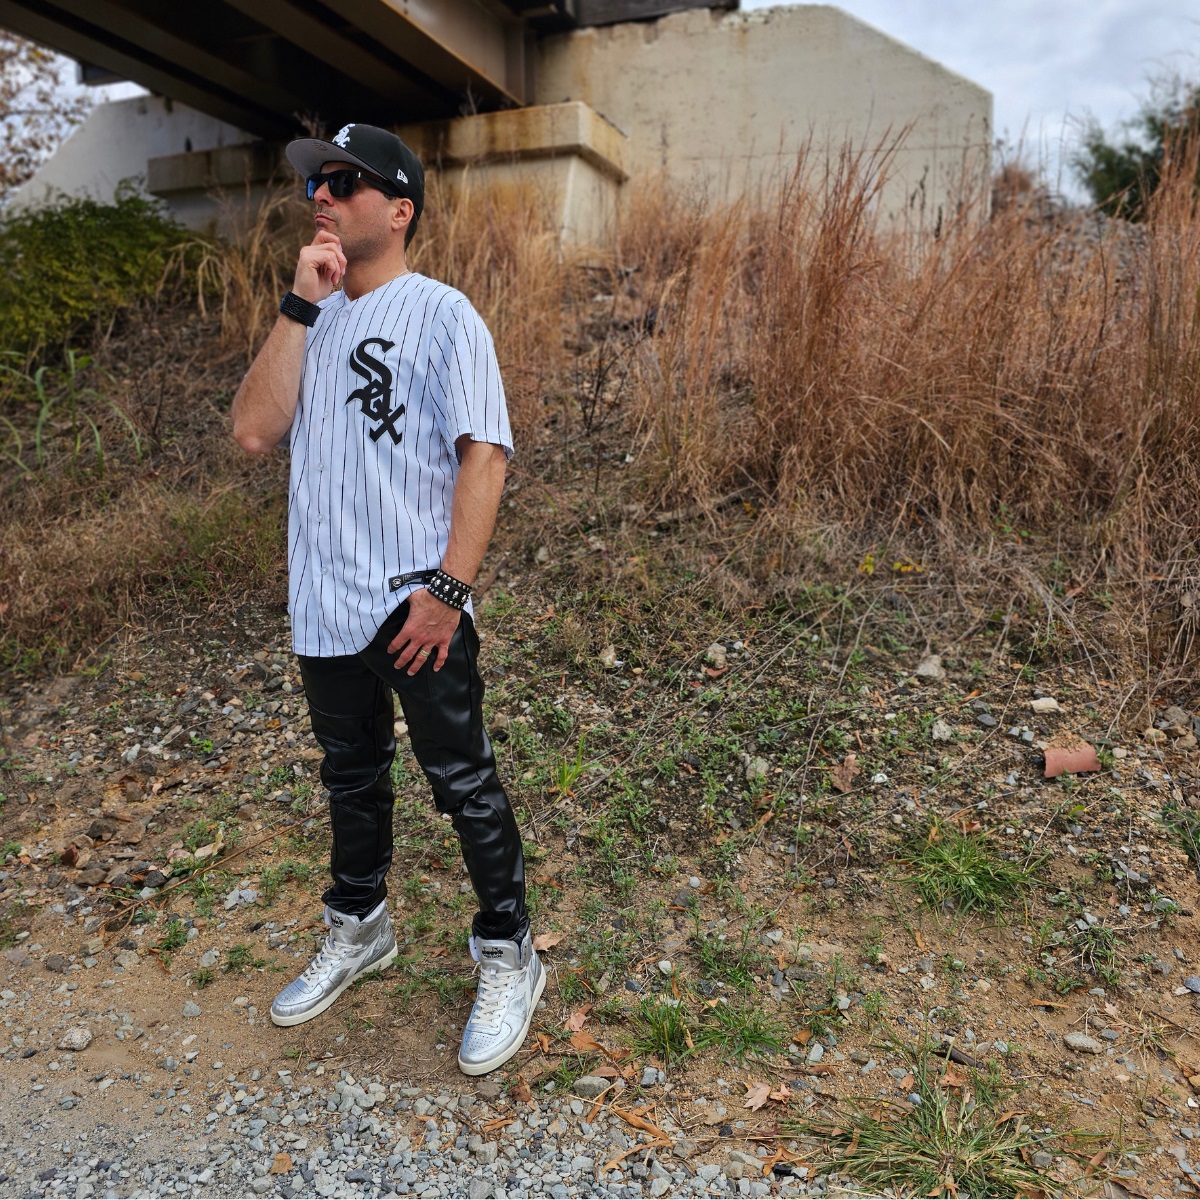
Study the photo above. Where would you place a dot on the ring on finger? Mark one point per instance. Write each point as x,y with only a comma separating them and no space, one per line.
423,653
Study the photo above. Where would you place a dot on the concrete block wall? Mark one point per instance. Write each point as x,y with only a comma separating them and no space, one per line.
724,101
116,141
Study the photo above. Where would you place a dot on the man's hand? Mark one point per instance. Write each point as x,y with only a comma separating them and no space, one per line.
425,633
320,267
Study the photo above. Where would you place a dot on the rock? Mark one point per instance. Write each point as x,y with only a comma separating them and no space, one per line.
1083,1044
191,1008
128,959
930,667
608,657
57,963
101,830
665,966
91,877
1192,983
816,1052
1154,736
77,1038
1187,742
133,833
756,769
1042,1160
210,958
93,946
590,1086
715,656
1045,704
987,720
1175,716
941,732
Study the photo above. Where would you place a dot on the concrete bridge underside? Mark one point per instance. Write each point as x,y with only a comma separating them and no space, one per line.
272,67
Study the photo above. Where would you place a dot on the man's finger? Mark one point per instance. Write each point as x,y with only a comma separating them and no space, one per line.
419,659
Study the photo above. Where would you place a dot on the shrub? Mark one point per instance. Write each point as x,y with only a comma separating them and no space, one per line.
73,267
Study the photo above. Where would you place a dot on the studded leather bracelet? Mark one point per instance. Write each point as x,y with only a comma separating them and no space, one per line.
449,590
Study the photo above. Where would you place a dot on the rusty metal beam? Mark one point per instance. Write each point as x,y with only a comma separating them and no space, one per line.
464,47
81,38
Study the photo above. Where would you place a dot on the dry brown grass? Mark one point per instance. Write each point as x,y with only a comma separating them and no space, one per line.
1016,383
998,372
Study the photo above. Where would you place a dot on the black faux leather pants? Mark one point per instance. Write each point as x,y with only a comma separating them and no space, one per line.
350,706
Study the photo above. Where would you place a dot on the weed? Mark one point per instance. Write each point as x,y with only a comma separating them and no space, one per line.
742,1032
963,869
662,1030
274,877
239,958
734,959
201,977
956,1141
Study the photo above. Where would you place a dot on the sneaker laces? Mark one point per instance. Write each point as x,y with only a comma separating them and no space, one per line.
495,989
328,956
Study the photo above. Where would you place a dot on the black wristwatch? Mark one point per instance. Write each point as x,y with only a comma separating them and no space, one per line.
299,309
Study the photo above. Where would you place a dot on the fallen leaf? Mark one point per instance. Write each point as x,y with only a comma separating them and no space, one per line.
954,1079
282,1164
757,1094
576,1019
496,1123
616,1160
585,1043
544,941
520,1091
543,1041
782,1093
842,775
819,1069
638,1122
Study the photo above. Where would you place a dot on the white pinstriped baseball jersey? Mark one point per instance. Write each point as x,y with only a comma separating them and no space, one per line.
389,382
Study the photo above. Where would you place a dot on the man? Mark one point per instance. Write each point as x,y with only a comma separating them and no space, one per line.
390,395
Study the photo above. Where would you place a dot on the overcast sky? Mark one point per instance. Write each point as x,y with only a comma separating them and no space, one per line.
1046,61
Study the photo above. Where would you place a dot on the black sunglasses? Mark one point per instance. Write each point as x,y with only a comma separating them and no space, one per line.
344,181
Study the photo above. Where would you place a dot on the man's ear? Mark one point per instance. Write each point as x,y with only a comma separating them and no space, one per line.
402,213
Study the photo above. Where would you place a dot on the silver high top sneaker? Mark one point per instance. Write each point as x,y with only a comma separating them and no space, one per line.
511,981
355,946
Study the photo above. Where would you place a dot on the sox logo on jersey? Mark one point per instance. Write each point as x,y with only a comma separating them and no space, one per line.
375,396
411,358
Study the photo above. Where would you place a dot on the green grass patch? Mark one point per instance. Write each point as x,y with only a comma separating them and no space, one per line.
963,869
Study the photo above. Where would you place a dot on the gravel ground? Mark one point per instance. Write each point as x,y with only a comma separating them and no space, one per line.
326,1134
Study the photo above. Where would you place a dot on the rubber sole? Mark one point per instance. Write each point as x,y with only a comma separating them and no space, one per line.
492,1063
378,965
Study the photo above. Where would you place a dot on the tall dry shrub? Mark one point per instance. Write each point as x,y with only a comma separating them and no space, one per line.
1016,370
500,246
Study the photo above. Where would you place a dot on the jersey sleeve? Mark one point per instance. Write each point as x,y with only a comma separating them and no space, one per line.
473,402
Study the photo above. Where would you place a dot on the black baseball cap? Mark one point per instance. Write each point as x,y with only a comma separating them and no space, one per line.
380,152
